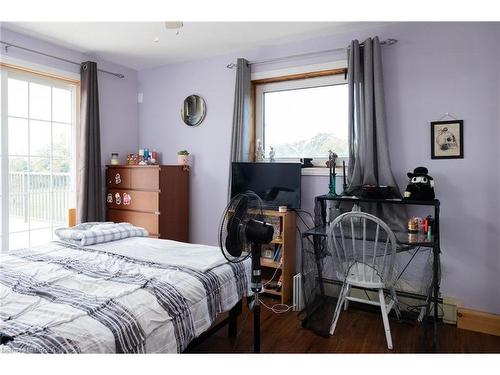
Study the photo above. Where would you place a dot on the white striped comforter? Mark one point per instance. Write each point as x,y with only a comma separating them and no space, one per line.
60,298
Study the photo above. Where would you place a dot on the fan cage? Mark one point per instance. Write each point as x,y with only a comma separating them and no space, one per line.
254,211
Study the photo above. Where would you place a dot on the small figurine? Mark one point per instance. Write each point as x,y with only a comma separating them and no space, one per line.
331,164
271,154
420,187
332,158
259,152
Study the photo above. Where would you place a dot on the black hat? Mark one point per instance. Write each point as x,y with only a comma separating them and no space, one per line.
419,171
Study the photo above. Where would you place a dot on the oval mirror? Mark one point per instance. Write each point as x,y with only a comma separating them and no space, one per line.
193,110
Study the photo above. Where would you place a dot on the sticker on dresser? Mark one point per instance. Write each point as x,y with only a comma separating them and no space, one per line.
126,199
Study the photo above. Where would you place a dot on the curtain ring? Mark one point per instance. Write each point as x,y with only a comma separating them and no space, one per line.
84,66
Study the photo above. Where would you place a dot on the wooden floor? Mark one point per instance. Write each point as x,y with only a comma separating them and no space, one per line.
357,332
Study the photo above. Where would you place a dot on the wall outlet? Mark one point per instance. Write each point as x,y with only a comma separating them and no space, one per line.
450,309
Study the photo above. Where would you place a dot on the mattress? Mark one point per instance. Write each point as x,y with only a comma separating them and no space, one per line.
135,295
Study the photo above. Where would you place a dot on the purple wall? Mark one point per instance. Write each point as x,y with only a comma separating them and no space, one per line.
117,97
435,68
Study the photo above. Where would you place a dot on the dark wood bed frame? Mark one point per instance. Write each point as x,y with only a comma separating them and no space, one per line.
231,320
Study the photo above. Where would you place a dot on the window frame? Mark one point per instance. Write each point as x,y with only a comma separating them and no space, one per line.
308,79
26,73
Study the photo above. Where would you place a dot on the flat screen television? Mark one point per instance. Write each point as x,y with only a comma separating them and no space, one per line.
277,184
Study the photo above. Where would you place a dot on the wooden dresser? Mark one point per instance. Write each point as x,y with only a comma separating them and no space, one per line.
155,197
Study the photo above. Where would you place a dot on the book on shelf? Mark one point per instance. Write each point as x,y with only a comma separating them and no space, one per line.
277,254
275,222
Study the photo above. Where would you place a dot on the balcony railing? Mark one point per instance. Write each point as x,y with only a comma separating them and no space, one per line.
40,196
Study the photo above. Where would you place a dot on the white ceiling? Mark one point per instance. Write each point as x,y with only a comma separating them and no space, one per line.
131,43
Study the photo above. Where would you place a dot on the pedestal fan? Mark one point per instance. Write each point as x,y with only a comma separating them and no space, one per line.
242,234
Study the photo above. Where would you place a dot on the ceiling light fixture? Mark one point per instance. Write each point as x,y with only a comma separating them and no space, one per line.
176,25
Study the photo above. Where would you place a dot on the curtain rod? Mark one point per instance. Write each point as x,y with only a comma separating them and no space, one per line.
8,45
387,42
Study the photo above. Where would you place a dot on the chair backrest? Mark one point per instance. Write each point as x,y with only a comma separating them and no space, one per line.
363,241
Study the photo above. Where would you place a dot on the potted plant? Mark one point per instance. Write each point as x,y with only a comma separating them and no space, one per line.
183,157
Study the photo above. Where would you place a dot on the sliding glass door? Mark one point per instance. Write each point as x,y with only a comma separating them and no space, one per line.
38,156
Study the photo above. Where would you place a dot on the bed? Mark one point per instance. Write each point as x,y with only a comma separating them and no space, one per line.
131,295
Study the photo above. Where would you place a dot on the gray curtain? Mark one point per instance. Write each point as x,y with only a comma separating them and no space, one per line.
90,194
242,132
368,149
369,161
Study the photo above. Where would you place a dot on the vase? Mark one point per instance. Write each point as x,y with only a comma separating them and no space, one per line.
183,159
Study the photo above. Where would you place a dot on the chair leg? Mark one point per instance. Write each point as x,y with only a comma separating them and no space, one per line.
385,318
346,301
396,303
338,309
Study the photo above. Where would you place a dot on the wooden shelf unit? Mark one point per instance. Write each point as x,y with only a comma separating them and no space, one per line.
264,262
287,241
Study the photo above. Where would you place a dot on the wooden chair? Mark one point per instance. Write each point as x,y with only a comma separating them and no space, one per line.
363,249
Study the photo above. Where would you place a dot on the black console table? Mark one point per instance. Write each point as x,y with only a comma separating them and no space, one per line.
404,240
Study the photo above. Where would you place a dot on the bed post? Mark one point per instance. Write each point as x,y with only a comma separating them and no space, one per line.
233,319
71,217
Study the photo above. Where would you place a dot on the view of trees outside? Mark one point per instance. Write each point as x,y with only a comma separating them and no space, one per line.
306,122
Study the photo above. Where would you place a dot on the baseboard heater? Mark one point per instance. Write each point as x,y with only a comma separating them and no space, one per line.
298,296
447,313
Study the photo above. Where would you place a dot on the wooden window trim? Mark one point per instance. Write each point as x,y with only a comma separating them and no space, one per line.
295,77
39,73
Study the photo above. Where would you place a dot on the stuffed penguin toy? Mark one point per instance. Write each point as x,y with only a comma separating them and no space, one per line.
420,187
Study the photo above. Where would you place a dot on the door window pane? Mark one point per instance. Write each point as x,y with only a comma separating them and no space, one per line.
18,194
40,136
61,105
40,236
19,240
18,136
61,139
17,98
19,219
17,165
40,107
61,166
40,207
38,166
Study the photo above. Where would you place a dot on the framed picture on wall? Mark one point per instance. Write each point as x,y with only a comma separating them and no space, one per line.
447,139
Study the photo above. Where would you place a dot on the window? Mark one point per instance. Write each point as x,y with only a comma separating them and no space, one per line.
303,118
38,156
